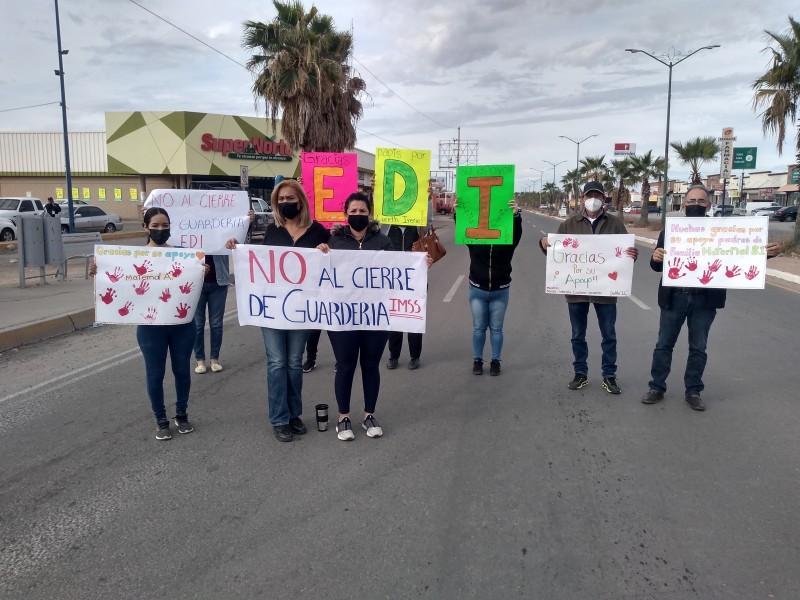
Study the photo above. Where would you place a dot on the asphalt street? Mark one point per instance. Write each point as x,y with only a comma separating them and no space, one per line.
481,487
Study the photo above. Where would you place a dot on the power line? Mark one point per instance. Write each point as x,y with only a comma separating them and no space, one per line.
31,106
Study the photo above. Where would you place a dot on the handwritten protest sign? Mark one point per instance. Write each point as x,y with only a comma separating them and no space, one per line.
203,219
328,179
138,285
483,213
401,186
299,288
716,252
589,265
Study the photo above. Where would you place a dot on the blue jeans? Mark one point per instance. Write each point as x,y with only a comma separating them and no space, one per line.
606,319
350,348
488,310
154,341
699,319
213,296
284,348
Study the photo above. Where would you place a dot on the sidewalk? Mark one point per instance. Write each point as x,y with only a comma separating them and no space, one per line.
39,312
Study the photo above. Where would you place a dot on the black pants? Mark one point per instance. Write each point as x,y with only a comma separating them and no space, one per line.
396,344
312,344
350,348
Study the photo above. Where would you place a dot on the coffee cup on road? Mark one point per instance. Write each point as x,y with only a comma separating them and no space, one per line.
322,417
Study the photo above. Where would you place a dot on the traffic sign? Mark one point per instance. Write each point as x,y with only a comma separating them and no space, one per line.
744,158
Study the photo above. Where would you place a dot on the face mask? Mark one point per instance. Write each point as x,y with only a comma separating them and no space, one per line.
289,210
593,204
159,236
695,211
358,222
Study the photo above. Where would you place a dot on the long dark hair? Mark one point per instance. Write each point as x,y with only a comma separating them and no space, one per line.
152,212
358,196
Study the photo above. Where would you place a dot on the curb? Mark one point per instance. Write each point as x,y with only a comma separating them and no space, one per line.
42,330
12,246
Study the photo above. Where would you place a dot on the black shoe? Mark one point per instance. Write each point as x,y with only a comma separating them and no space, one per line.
652,396
413,364
183,425
477,366
298,426
283,432
309,365
579,381
494,367
695,401
391,363
610,385
163,432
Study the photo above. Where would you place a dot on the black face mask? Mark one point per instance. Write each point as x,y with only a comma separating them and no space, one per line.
358,222
289,210
696,211
159,236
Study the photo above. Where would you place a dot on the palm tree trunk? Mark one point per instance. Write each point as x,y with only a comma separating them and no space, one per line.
645,214
796,237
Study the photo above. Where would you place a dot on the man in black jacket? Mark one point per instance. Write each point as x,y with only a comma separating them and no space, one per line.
696,306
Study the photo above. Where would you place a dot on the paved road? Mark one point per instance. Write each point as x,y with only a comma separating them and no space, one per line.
490,487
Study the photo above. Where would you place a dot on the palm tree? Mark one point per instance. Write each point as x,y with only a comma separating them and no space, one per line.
572,180
300,69
594,167
778,91
622,171
551,189
696,152
645,168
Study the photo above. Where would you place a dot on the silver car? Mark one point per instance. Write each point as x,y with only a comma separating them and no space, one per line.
92,218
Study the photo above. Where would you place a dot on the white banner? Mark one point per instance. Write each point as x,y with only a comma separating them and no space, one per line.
142,285
203,219
716,252
589,265
301,288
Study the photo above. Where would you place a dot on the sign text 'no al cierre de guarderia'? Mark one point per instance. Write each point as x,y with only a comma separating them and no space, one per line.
328,179
203,219
589,265
716,252
144,285
401,186
483,215
301,288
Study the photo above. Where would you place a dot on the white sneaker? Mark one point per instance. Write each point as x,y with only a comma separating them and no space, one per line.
216,367
344,431
200,368
371,425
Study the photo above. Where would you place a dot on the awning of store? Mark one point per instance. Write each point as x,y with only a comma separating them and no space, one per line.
787,187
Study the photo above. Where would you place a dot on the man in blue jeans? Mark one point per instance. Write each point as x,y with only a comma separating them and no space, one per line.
696,306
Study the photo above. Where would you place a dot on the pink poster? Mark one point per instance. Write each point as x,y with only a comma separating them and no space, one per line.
328,179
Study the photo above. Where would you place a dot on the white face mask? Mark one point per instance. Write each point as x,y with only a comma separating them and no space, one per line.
593,204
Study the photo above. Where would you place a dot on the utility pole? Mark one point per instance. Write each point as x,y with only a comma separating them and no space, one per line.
60,73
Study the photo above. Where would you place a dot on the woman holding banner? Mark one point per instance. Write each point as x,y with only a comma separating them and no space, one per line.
284,347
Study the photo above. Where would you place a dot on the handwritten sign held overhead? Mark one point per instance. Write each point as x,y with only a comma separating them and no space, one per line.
716,252
328,179
483,214
589,265
401,186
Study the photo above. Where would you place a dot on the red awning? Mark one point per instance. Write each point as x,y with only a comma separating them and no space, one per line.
788,187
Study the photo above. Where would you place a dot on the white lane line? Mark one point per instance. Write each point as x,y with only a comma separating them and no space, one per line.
639,303
543,232
453,289
84,372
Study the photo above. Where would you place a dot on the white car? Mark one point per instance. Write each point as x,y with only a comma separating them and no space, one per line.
12,207
8,231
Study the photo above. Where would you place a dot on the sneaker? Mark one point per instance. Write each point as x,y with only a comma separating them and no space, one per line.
413,364
494,367
200,368
391,363
652,396
344,431
298,426
216,367
283,432
695,401
477,366
610,385
163,432
371,425
183,425
309,365
579,381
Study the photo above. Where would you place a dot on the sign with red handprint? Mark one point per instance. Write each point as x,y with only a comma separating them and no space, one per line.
589,265
719,252
147,285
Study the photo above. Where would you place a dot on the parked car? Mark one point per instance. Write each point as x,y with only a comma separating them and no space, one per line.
14,206
765,212
786,213
75,202
720,210
91,218
8,231
264,217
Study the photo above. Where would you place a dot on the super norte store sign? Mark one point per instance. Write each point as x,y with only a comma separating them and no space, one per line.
256,148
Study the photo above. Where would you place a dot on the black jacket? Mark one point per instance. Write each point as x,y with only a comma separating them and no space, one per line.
313,237
490,265
402,240
342,239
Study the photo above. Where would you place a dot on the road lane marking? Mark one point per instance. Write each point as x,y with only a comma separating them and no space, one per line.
638,302
453,289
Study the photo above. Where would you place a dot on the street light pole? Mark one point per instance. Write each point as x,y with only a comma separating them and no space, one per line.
554,165
60,74
669,65
577,160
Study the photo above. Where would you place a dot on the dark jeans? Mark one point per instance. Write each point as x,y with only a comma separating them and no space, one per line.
396,344
213,296
347,346
155,340
284,350
606,319
312,344
698,319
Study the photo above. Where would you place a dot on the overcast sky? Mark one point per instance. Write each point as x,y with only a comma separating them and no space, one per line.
513,74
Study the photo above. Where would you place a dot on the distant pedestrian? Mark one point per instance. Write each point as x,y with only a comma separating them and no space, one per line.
51,207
